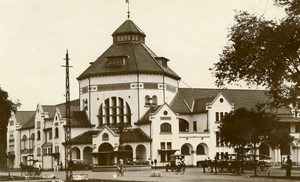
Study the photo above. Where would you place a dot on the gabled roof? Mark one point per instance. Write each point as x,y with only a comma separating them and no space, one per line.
23,116
128,27
51,109
145,118
84,138
200,104
135,135
240,97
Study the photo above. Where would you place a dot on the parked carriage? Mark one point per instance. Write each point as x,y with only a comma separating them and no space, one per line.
172,163
230,164
30,170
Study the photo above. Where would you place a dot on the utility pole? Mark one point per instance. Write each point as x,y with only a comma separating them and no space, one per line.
68,156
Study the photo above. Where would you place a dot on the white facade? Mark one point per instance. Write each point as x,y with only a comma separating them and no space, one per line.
158,118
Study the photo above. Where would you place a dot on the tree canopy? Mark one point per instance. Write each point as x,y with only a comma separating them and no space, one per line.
246,127
6,107
243,128
265,53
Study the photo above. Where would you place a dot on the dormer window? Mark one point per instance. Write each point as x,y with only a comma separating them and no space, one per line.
116,60
162,61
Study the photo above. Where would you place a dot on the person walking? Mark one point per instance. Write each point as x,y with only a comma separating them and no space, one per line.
55,166
288,166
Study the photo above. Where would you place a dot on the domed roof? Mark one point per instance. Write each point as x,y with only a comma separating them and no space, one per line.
128,55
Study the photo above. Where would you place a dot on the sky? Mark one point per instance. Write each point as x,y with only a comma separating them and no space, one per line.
35,34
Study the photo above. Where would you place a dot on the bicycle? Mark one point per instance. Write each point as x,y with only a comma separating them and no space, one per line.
180,169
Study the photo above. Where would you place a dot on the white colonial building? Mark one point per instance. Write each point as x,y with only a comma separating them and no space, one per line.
129,95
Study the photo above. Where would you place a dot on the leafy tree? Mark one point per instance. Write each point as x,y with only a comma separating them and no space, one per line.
243,128
6,107
264,53
280,138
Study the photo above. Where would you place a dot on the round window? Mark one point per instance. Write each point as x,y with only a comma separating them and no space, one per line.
221,100
165,112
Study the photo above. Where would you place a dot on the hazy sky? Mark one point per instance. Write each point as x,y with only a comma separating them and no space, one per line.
34,36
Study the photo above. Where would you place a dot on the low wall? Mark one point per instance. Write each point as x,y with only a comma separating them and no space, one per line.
127,168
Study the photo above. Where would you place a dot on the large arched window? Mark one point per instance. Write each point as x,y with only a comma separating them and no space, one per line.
113,111
185,150
200,150
165,128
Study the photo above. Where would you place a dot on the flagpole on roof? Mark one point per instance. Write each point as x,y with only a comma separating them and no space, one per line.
128,12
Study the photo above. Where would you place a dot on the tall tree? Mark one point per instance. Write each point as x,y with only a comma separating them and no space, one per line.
243,128
6,108
265,53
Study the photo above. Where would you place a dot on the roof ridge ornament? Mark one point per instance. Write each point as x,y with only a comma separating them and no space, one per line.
128,12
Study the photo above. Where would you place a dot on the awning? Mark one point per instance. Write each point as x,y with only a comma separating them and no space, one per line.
47,144
103,152
55,155
170,151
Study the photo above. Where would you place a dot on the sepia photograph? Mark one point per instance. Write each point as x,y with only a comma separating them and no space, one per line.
149,90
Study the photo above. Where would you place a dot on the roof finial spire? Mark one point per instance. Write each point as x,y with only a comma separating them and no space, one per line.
128,12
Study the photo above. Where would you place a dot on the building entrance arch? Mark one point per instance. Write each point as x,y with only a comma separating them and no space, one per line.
105,154
87,154
75,153
141,153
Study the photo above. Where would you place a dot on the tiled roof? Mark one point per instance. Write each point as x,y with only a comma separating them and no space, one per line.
239,97
145,118
51,109
29,124
23,116
84,138
200,104
80,119
135,135
128,27
140,59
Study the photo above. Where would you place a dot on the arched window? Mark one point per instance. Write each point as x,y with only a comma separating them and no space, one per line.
113,111
105,137
200,150
154,100
165,128
147,100
183,125
38,135
24,140
185,150
56,133
32,139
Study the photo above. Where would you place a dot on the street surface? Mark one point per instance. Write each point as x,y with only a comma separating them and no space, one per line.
191,174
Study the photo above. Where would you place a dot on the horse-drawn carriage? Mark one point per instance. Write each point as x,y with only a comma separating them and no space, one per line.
173,163
230,163
30,170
